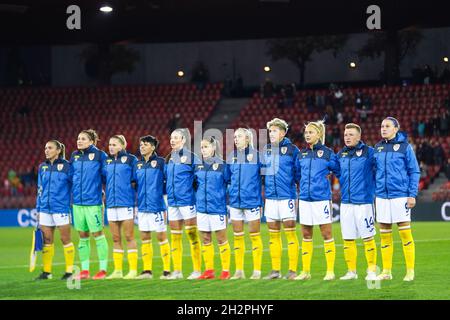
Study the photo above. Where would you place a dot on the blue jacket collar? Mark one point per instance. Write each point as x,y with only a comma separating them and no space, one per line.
317,146
359,146
58,160
152,157
400,137
88,149
120,154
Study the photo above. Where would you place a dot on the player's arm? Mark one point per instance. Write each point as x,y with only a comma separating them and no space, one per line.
413,172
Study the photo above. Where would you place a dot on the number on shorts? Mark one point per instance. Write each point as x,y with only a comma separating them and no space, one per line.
98,221
291,205
369,223
192,208
222,217
254,210
159,217
406,207
326,211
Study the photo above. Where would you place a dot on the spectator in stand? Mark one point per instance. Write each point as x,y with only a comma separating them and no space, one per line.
339,99
435,122
438,154
444,123
423,170
421,127
429,153
310,103
339,118
336,136
447,169
290,91
14,182
358,100
320,101
329,111
267,89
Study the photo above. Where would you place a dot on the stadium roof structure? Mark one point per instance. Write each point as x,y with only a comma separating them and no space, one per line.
29,22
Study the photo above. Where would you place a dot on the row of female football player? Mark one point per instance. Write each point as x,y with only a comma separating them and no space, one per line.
197,189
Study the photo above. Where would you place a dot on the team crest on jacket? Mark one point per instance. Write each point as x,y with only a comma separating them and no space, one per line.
60,166
109,161
153,163
139,166
183,159
215,166
359,153
91,156
320,153
123,159
396,147
283,150
250,157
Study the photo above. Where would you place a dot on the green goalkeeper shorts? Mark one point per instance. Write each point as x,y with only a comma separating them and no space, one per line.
88,218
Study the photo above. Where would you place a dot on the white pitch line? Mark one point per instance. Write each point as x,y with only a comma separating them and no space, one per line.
188,255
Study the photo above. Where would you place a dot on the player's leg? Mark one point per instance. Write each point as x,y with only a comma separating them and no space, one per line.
349,234
330,250
115,228
365,217
257,247
306,221
208,254
190,220
146,249
48,250
271,211
176,233
237,221
289,217
164,249
94,218
69,249
307,251
84,244
404,229
224,247
132,252
384,219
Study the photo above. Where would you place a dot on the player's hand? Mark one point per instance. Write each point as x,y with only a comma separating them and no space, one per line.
411,203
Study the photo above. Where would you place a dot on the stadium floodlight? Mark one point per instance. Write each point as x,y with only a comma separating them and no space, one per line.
352,64
267,69
180,73
445,59
106,9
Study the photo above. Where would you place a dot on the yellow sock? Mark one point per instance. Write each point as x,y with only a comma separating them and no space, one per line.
275,249
177,249
408,246
69,256
370,249
147,254
225,255
47,257
387,249
132,256
208,255
118,259
196,252
307,251
293,245
350,254
330,254
239,250
164,248
257,250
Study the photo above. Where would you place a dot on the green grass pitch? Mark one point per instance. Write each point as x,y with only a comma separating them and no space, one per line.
432,270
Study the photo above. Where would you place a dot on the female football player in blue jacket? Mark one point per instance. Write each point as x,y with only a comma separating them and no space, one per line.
120,196
279,160
314,165
211,177
87,163
357,182
245,200
53,206
397,184
181,200
149,177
